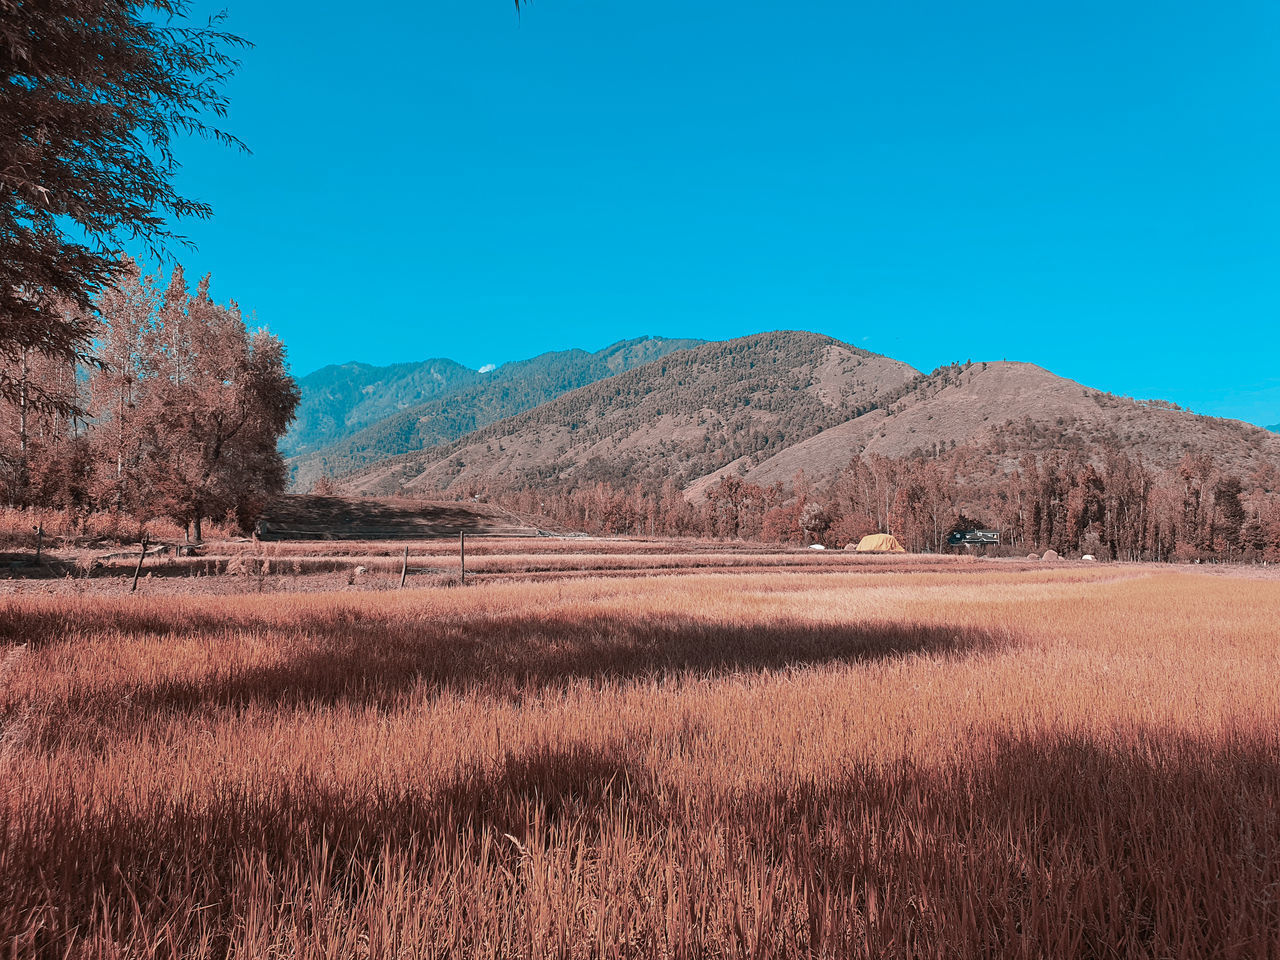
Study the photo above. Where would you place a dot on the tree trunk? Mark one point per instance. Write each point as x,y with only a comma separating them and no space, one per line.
22,405
197,524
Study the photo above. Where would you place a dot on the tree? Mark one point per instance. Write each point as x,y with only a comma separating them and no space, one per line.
324,487
117,386
736,508
814,521
92,95
218,400
31,428
1229,512
1197,516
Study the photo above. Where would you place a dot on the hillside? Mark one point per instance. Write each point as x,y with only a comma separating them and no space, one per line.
341,399
690,413
769,406
463,403
1013,409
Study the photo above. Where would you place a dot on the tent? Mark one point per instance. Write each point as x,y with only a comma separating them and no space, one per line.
879,543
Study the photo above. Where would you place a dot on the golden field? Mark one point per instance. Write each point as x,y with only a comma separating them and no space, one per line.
884,760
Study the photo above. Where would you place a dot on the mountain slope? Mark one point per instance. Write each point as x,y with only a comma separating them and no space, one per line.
690,413
1014,409
766,407
340,399
476,402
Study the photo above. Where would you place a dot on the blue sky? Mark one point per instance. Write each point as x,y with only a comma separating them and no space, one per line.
1093,187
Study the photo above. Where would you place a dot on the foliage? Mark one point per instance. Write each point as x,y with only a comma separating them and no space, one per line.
217,400
187,406
1124,511
92,97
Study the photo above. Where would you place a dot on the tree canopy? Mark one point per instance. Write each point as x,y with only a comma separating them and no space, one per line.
93,96
183,412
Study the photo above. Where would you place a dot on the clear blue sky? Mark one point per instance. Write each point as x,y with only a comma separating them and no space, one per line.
1093,187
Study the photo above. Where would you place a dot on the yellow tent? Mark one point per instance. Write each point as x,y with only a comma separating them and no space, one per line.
879,543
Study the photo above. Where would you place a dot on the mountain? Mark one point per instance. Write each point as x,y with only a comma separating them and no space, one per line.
341,399
692,412
1274,428
1013,409
768,406
465,402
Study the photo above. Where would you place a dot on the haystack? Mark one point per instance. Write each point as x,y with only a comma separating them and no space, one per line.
879,543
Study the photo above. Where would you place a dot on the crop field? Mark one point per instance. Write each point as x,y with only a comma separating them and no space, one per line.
237,566
830,756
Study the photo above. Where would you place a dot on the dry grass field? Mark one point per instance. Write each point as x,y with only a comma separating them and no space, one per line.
240,565
876,759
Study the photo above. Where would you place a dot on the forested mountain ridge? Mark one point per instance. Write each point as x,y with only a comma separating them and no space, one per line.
767,407
686,415
464,402
341,399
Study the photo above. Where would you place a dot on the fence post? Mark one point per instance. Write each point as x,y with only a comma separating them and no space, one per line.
462,558
404,568
138,570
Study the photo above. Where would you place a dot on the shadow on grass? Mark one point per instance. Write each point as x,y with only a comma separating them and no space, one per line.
342,660
66,868
1051,845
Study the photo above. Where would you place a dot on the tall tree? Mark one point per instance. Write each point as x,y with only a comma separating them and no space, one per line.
219,400
117,386
1229,513
38,419
92,95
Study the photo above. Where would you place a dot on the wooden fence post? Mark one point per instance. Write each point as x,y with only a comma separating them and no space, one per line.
404,568
39,541
138,570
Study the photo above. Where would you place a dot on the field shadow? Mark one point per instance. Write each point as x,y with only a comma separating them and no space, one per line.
1050,845
23,566
310,517
1146,844
332,660
193,850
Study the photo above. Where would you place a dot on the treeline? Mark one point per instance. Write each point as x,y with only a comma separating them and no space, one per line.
174,413
1115,509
